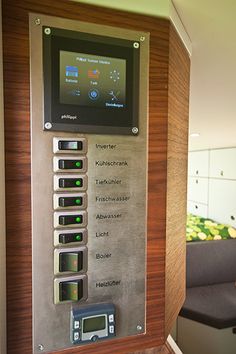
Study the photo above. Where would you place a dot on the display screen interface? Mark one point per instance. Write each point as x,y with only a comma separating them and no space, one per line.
91,80
94,324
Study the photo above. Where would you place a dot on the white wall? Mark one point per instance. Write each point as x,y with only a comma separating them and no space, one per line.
211,26
158,8
148,7
2,214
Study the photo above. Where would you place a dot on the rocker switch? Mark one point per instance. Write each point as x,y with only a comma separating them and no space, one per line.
70,219
70,145
71,261
70,164
71,290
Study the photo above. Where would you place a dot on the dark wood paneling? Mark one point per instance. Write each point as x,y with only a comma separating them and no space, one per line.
179,72
17,140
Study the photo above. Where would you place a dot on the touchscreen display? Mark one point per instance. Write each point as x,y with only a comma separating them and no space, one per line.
92,80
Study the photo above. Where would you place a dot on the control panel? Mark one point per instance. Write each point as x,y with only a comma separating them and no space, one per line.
92,323
89,143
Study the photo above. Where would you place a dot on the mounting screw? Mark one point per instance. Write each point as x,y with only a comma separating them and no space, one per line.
139,328
47,31
142,39
41,347
135,130
48,125
37,21
136,45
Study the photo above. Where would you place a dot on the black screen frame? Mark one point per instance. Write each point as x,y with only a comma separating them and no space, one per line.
86,119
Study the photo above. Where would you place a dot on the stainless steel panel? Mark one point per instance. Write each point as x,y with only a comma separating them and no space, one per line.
117,208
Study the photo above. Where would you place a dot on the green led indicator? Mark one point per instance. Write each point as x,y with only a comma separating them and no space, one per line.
78,164
78,183
78,237
78,219
78,201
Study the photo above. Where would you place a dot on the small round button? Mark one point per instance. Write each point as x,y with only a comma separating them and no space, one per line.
93,94
94,338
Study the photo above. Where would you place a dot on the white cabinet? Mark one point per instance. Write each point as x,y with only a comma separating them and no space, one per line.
197,209
222,201
223,163
198,163
212,184
198,189
198,170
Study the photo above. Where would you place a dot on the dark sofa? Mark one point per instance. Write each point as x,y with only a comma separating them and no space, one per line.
211,288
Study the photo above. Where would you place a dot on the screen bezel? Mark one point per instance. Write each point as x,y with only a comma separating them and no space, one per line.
85,119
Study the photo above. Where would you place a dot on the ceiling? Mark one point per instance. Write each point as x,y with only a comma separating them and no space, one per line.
211,26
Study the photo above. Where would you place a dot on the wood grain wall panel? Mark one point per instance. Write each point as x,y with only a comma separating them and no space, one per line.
2,214
17,140
179,72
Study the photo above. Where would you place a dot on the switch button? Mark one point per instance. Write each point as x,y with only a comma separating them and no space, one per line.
70,219
70,182
70,164
71,237
70,261
71,290
70,201
70,145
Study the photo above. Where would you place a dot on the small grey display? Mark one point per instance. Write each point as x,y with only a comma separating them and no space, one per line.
94,323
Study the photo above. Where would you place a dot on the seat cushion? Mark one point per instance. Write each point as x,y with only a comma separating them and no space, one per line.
213,305
211,263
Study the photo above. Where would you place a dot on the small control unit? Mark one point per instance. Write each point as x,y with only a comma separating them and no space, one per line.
92,323
89,125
